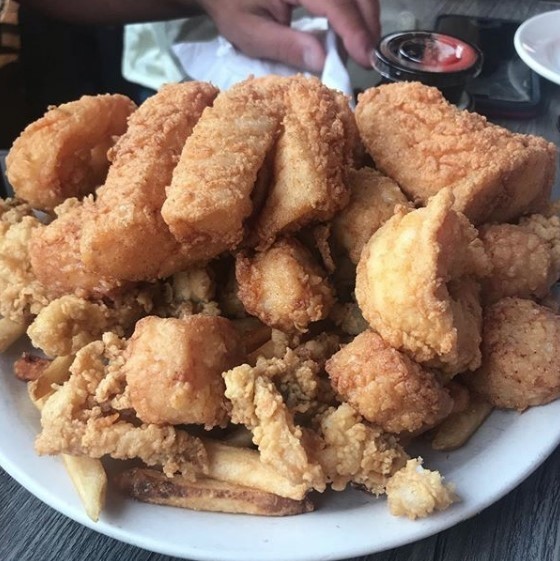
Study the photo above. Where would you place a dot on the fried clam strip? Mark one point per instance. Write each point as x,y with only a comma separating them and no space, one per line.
128,205
69,323
416,285
209,197
310,161
86,417
64,153
21,294
259,404
353,451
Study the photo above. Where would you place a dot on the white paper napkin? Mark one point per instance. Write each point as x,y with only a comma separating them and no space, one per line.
219,62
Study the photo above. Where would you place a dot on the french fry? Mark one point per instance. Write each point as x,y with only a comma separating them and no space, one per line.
10,332
90,480
55,372
454,431
151,486
242,466
87,474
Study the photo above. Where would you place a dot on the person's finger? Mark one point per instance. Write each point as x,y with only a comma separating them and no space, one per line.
260,37
354,21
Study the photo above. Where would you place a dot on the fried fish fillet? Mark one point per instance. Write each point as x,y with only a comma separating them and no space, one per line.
209,196
425,144
311,155
64,154
124,235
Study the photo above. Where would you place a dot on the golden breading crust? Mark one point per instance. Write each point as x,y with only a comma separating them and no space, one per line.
373,198
386,387
174,369
64,154
124,235
425,144
283,286
416,285
520,355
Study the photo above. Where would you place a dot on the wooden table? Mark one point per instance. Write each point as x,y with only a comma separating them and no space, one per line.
523,526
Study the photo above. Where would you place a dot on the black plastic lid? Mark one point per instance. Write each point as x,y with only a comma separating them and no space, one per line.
432,58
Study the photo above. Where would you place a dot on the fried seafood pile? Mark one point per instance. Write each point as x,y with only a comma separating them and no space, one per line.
256,294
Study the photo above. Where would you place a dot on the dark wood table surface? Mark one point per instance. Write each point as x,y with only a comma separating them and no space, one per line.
523,526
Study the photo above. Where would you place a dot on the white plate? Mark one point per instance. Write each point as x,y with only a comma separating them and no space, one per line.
505,451
537,42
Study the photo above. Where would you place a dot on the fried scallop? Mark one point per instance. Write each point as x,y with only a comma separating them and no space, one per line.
64,153
416,285
425,144
520,355
124,235
373,198
209,196
283,286
386,387
174,368
524,263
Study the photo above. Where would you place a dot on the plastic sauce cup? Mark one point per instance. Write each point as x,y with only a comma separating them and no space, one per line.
434,59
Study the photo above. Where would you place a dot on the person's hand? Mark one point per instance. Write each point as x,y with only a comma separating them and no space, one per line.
261,28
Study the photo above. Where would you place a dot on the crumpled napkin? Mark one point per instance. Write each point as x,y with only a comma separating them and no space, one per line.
219,62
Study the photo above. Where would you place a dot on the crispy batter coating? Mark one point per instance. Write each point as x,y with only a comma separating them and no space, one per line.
174,369
68,323
525,258
81,418
64,154
21,294
124,235
351,451
386,387
209,197
425,144
373,198
283,286
520,355
54,252
416,492
311,155
258,404
415,285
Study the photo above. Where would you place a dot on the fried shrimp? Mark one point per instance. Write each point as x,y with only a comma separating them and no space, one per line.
520,355
172,376
416,285
124,235
209,196
373,198
64,154
425,144
283,286
311,155
386,387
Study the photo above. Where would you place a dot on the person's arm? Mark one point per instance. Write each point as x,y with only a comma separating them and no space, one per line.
258,28
114,11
